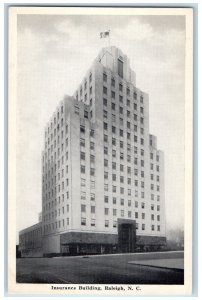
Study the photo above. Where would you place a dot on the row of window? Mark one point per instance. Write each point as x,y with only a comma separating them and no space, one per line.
128,124
121,144
82,131
53,137
61,223
128,103
122,212
135,116
59,114
54,202
128,91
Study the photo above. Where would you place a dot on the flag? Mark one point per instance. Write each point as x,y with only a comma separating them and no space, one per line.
104,34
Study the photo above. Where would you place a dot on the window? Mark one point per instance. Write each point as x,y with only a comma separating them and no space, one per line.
142,120
157,157
92,171
152,207
158,217
113,165
141,110
83,182
83,221
143,226
105,175
82,155
121,144
82,142
113,94
92,222
106,187
105,138
104,90
120,68
113,106
121,99
92,158
129,202
83,208
106,211
120,87
82,129
128,124
114,200
120,109
92,146
152,227
105,114
83,195
90,77
114,141
92,197
114,177
83,169
113,153
141,99
92,209
121,179
106,199
105,126
121,132
158,228
122,201
106,223
113,129
114,189
106,163
143,216
128,91
142,205
112,82
104,101
92,184
105,77
105,150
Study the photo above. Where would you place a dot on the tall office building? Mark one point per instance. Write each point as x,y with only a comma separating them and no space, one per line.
103,176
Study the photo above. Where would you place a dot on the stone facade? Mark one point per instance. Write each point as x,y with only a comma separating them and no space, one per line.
100,164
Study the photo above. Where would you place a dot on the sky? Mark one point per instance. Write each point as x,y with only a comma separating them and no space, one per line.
53,54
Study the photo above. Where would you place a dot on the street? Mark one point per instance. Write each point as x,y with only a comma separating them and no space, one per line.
104,269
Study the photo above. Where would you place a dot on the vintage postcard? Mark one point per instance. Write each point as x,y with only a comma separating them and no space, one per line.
100,151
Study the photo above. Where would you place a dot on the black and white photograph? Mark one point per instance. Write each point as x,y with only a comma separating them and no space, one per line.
100,150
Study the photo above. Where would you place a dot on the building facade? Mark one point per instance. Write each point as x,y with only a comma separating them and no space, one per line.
102,173
30,241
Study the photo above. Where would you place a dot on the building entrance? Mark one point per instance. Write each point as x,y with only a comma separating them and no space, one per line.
126,235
